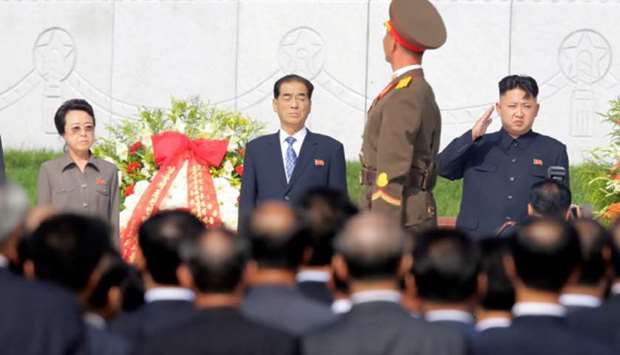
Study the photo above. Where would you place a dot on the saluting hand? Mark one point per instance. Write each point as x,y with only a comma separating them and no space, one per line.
482,124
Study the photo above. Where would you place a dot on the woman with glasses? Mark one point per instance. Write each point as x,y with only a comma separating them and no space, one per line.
78,181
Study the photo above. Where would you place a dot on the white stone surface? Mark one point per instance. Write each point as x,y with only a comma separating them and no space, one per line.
122,55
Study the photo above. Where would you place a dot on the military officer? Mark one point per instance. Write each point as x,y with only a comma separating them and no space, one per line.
499,168
401,137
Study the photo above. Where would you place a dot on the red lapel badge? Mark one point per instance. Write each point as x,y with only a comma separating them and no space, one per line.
100,181
538,162
319,162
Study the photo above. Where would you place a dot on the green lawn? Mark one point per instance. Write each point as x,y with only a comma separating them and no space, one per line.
22,167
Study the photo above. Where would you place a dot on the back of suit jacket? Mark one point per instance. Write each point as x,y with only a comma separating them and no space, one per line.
320,163
382,328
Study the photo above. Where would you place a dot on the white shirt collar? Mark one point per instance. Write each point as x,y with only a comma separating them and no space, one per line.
376,295
341,306
168,294
299,136
403,70
4,262
579,300
538,309
312,275
453,315
493,322
615,288
94,320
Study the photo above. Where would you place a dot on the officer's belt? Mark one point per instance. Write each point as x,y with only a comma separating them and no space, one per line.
417,179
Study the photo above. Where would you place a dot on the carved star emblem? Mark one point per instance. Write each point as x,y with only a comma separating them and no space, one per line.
300,50
55,54
586,58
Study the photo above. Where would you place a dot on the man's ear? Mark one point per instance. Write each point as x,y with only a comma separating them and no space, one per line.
29,272
406,262
274,105
184,275
139,260
340,267
483,285
509,266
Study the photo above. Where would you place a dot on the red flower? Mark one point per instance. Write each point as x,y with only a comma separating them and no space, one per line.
133,166
135,147
129,190
239,170
241,152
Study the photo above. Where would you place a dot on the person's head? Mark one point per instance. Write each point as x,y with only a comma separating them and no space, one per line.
292,101
615,248
276,236
593,239
545,253
106,298
327,211
75,122
66,249
215,262
445,266
13,211
414,27
549,198
160,237
371,248
498,294
518,105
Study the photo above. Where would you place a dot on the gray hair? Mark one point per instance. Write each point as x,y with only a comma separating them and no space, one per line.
14,206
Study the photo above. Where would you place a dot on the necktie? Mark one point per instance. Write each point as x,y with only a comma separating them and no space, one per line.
291,157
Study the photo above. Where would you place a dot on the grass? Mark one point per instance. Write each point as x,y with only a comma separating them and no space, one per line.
22,167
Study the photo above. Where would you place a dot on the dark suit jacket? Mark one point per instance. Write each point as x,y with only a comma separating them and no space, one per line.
601,323
151,318
497,173
320,164
382,328
468,330
38,318
536,335
316,290
220,331
286,308
103,342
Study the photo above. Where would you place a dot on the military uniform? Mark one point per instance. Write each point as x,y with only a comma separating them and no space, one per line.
401,139
402,132
497,172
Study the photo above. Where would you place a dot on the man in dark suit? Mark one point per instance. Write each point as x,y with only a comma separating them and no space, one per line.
445,268
283,165
68,250
499,168
2,170
545,252
372,254
278,243
497,295
37,318
215,267
603,322
327,211
167,302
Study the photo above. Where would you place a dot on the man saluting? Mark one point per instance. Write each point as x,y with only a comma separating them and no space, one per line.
499,168
401,137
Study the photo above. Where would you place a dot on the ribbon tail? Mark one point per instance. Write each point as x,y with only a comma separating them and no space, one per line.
201,194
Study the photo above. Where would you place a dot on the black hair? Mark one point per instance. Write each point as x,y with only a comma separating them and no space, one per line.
114,274
216,271
500,294
66,248
445,265
550,198
594,239
545,252
523,82
327,211
160,239
292,78
71,105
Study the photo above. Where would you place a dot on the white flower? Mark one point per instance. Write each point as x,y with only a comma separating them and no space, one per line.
121,150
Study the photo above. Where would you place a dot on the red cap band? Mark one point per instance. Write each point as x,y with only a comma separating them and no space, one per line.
400,40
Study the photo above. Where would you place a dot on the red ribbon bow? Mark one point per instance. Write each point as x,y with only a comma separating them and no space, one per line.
169,146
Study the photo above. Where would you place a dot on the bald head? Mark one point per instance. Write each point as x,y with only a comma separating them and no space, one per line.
276,236
372,246
545,251
216,260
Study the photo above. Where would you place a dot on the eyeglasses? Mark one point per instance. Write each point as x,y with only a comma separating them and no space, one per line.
76,130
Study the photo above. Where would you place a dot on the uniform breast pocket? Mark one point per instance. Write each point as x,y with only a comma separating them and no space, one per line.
538,172
63,197
102,195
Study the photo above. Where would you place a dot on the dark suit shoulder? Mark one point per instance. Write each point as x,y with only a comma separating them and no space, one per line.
325,139
261,140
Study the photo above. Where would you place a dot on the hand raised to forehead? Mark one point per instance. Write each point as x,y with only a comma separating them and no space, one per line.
481,125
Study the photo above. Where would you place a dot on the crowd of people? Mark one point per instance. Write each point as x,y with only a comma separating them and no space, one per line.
314,277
